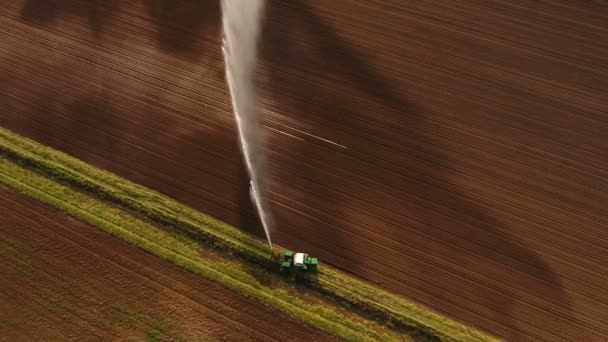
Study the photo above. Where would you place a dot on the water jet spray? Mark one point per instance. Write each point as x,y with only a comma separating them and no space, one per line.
241,23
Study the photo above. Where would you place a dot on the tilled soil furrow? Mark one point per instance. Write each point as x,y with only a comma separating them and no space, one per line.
453,152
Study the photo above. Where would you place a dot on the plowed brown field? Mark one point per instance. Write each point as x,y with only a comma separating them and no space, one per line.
454,152
62,279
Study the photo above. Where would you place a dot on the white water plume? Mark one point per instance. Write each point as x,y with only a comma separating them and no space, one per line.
242,21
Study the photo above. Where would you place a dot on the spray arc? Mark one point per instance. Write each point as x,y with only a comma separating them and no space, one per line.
241,23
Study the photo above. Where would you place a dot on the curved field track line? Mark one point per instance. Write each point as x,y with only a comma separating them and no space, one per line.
386,307
143,271
75,273
94,212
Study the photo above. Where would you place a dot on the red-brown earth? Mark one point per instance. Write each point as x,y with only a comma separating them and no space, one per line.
454,152
63,279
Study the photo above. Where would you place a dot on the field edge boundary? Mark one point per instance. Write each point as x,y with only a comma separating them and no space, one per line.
388,309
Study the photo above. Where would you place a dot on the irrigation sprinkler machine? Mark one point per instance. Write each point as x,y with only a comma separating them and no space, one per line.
241,22
290,261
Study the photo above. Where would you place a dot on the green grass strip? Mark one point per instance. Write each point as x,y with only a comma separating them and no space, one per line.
170,247
385,307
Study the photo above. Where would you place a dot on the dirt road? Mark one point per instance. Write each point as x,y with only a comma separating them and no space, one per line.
62,279
454,152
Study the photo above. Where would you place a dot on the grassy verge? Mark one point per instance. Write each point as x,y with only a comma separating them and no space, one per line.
381,305
182,252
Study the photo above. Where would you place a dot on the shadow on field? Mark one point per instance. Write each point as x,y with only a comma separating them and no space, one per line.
179,24
322,82
45,12
179,149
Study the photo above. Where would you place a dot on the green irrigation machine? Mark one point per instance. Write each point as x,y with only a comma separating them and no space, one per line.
290,261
